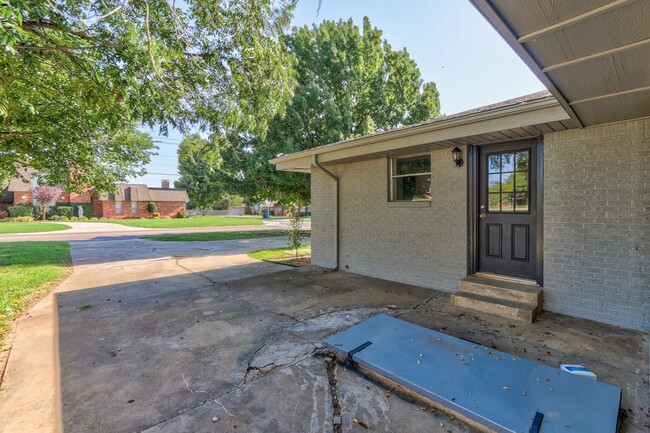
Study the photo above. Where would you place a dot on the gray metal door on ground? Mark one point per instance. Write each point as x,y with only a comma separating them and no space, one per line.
507,209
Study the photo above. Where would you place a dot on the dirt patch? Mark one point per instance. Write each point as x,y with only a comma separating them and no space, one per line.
296,263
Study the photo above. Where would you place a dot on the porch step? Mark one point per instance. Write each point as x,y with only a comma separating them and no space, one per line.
500,307
502,289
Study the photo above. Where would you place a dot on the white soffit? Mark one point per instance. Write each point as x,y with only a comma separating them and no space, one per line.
593,55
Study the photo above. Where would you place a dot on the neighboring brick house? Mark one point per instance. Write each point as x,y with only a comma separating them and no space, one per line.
131,200
19,191
543,193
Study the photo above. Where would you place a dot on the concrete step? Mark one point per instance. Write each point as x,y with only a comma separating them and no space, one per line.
499,307
503,289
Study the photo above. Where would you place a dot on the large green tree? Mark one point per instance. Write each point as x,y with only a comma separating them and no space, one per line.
76,74
198,163
350,83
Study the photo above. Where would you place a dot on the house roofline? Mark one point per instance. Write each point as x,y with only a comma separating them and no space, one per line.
528,110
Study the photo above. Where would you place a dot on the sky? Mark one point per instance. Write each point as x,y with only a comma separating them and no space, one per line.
452,44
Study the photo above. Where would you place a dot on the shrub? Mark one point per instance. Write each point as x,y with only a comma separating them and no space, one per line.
152,208
155,214
181,214
24,219
64,218
9,220
21,210
103,219
4,214
55,218
83,218
94,219
74,218
65,211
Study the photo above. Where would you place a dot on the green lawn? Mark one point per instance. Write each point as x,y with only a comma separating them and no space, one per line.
198,221
217,236
28,270
282,254
33,227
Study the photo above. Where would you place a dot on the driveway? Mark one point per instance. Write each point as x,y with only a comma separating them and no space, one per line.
196,337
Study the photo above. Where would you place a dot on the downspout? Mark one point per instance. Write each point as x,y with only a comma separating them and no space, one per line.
336,208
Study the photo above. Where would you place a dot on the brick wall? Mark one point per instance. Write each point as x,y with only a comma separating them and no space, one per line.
18,197
597,223
404,242
107,209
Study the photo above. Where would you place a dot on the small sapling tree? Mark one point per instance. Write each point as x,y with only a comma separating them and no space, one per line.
295,236
44,195
152,208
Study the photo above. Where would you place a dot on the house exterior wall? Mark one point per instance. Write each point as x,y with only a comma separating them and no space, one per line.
597,223
414,243
18,197
105,208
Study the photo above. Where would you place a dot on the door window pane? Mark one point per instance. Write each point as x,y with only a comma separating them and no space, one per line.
521,202
507,161
494,201
507,202
494,164
507,182
521,163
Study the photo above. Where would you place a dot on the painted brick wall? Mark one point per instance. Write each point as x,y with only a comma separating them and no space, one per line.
597,223
408,243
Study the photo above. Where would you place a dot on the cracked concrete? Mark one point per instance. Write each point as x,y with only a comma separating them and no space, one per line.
197,337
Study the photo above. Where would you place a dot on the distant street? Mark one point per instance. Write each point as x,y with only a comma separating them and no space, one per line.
82,231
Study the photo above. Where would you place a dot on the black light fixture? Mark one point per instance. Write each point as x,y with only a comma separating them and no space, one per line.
456,155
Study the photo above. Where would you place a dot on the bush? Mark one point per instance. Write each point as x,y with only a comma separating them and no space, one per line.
152,208
9,220
4,214
181,214
74,211
24,219
21,210
94,219
155,214
103,219
74,218
65,211
55,218
64,218
83,218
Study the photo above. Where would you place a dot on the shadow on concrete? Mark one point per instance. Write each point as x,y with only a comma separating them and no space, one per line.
168,354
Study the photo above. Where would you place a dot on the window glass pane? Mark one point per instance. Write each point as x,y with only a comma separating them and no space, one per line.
494,182
118,207
494,164
507,202
521,181
521,202
493,202
508,161
418,164
522,161
507,182
412,188
134,207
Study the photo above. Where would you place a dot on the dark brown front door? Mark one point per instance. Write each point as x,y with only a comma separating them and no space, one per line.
507,209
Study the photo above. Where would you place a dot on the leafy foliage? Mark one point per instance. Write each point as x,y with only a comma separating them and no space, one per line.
21,210
295,234
78,75
152,207
349,83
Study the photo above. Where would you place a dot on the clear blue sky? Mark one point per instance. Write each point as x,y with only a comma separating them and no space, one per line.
451,42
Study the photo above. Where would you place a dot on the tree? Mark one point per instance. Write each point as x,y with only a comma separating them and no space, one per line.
198,163
44,195
75,74
349,83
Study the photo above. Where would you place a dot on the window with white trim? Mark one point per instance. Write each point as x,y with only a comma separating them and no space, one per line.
134,207
118,207
411,178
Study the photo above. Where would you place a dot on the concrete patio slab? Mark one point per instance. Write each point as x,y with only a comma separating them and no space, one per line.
163,337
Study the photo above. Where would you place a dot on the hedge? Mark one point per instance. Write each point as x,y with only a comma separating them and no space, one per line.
21,210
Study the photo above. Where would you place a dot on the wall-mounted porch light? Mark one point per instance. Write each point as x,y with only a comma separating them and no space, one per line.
456,155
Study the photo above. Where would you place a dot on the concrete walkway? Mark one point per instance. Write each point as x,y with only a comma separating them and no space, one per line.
196,337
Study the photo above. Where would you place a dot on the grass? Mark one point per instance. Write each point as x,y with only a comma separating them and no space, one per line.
198,221
28,270
31,227
282,254
218,236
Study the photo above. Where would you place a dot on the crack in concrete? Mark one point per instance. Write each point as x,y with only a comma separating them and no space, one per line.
330,368
415,307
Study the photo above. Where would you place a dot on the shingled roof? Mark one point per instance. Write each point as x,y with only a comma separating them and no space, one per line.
141,192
